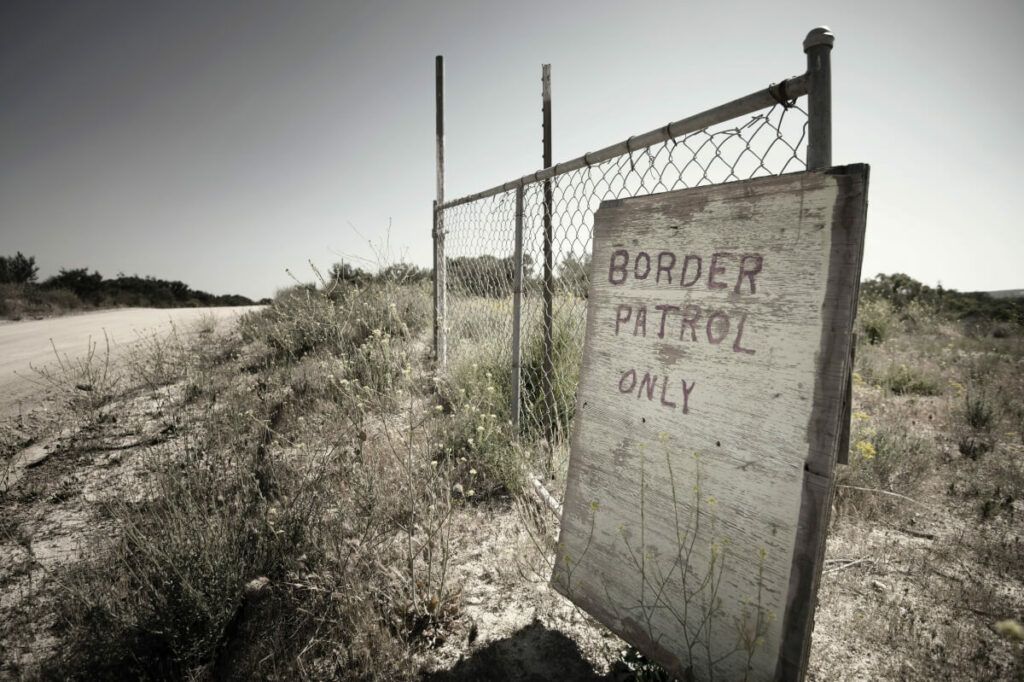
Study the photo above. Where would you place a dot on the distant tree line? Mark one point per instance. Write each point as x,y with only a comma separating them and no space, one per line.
132,290
401,273
486,275
495,277
77,287
902,290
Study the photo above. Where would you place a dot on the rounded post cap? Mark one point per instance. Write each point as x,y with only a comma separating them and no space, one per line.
819,36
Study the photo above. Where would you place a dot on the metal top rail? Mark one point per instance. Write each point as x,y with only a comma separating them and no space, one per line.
788,90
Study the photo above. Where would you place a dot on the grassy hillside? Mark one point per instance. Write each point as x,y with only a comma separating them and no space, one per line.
1007,293
303,497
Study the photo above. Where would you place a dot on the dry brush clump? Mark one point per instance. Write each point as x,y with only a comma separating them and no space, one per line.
298,522
85,384
18,301
888,463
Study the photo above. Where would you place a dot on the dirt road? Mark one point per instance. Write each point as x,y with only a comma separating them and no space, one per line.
24,345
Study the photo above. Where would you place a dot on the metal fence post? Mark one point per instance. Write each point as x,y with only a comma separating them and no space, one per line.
818,47
433,242
549,275
440,267
517,308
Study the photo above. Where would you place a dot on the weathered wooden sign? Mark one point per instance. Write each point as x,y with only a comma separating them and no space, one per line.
708,416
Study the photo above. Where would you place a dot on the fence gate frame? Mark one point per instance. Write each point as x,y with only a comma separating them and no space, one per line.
815,83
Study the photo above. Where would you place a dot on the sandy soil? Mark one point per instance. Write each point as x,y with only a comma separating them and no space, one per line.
27,344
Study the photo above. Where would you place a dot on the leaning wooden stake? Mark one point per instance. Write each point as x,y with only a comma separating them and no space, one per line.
547,497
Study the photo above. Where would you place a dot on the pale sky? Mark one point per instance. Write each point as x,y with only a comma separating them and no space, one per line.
220,143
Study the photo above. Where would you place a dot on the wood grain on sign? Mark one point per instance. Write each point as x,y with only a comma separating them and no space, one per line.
708,417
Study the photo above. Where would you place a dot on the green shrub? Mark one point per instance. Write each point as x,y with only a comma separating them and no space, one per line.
875,318
919,317
977,417
979,411
904,379
9,298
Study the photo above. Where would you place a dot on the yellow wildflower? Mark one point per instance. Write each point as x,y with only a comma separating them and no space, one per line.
866,449
1010,629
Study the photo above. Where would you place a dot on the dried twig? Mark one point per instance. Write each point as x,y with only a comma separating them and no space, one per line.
918,533
848,564
882,492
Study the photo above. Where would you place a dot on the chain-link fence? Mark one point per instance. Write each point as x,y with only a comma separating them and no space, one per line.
522,311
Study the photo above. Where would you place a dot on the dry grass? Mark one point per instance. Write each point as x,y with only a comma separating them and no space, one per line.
298,492
303,498
926,545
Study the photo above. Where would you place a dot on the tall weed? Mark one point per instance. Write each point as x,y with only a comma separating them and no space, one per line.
885,457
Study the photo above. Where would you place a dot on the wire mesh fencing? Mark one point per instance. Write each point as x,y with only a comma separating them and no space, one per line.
539,366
